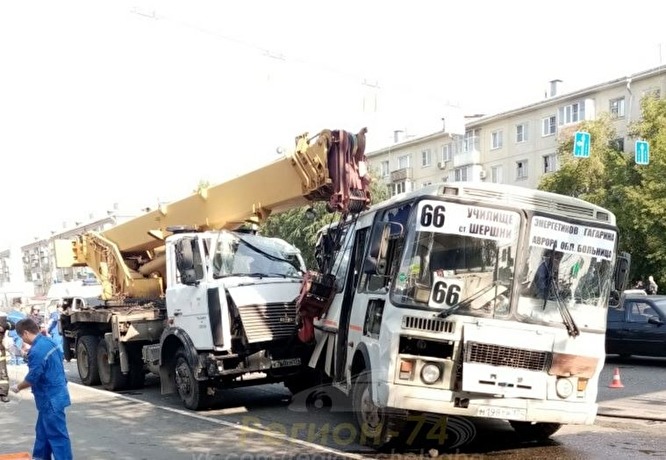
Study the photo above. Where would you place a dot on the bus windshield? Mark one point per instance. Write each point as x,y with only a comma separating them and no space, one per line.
459,256
569,267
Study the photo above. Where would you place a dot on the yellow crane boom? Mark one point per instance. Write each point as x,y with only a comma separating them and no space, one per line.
127,259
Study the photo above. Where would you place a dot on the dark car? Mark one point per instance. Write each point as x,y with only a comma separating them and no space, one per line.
637,326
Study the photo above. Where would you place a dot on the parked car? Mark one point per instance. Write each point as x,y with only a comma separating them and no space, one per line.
637,326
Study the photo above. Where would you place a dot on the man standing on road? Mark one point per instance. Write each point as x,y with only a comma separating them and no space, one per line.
5,326
46,377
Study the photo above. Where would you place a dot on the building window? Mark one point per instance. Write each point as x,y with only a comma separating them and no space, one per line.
521,132
385,168
550,163
652,92
496,174
616,107
572,113
471,141
447,152
403,162
426,158
463,174
400,187
617,144
496,139
521,169
549,126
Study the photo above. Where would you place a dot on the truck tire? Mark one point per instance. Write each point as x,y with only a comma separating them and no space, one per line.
86,359
534,431
137,374
192,392
379,427
109,374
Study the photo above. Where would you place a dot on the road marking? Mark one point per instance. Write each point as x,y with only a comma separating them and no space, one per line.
247,429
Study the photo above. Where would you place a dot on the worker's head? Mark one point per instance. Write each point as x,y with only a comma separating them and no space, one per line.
27,329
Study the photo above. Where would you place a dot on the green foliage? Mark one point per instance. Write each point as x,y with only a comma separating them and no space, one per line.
610,178
298,228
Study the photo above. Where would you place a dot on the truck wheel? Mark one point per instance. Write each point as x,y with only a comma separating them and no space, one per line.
109,374
192,392
534,431
86,359
378,426
137,375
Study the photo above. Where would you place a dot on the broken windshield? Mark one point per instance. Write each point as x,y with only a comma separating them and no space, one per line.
569,269
238,254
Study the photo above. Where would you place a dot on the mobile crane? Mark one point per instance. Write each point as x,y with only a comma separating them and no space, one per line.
192,296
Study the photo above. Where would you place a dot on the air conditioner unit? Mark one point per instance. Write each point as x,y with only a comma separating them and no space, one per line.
482,174
441,164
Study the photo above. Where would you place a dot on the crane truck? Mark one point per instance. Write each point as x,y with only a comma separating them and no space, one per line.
193,295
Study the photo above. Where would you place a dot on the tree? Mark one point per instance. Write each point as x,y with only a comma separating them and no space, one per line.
610,178
646,199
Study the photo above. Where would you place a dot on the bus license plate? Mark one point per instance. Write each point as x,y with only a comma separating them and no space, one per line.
509,413
286,362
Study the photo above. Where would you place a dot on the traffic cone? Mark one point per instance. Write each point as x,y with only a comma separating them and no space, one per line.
616,382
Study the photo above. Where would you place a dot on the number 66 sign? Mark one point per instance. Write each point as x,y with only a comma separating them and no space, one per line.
446,291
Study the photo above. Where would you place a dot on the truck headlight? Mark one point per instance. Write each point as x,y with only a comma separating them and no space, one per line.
430,373
564,387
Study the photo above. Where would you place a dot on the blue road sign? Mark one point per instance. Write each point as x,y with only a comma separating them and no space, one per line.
581,147
642,152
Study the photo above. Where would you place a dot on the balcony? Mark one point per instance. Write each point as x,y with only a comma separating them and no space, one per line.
400,175
471,157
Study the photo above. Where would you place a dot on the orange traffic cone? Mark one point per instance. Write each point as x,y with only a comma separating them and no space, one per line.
616,382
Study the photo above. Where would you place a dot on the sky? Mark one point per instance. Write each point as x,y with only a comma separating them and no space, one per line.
135,102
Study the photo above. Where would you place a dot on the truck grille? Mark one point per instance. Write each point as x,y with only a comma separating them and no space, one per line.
497,355
268,322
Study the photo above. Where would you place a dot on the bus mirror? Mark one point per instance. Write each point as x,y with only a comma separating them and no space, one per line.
375,262
621,274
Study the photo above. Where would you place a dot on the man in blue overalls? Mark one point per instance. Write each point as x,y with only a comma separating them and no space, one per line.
46,377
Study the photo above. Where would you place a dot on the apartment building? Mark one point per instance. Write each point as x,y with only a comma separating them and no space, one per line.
517,146
37,257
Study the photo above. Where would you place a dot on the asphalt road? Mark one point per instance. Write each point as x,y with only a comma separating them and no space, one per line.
265,422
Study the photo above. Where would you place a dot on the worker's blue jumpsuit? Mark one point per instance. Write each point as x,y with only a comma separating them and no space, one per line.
49,386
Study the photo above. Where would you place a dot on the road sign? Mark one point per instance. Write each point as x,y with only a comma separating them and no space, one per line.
581,147
642,152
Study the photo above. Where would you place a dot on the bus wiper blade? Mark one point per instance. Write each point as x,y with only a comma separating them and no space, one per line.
565,313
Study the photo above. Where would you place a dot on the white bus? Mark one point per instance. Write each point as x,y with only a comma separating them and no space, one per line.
469,299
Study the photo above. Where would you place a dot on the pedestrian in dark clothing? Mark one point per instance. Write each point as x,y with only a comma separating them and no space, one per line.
5,325
46,377
547,274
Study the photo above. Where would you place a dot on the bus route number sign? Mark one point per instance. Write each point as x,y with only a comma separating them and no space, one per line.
445,292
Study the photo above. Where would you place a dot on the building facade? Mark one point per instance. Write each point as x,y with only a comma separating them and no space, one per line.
517,146
37,259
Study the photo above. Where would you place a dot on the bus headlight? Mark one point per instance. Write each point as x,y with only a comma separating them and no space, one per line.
564,387
430,373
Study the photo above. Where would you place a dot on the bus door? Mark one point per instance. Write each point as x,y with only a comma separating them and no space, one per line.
354,258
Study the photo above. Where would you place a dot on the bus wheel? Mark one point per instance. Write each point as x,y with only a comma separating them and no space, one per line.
86,359
378,427
534,431
192,392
